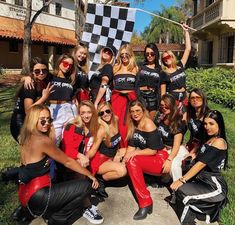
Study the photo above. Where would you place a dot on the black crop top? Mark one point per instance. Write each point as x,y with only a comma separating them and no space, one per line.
82,81
148,77
143,139
167,136
63,90
33,170
175,80
213,158
112,150
125,82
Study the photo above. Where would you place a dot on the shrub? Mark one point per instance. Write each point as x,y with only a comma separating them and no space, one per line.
217,83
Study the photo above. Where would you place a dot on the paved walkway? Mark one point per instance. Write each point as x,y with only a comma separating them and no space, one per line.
120,206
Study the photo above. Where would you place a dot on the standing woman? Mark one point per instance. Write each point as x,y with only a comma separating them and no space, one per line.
148,81
81,59
124,89
172,130
61,106
173,75
55,202
101,81
26,98
202,191
144,155
197,108
105,154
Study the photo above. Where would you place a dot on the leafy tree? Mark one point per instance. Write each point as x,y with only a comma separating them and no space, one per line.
163,31
28,24
136,39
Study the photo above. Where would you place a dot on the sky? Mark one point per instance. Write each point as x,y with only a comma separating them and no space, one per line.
143,19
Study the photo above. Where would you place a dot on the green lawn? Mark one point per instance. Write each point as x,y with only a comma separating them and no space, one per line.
9,156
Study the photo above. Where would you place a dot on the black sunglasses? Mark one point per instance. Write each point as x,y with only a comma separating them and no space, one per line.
150,54
101,113
40,71
44,121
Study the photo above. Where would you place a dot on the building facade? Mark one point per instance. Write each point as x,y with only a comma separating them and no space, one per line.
215,24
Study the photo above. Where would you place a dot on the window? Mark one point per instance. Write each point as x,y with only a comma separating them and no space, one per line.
207,52
45,49
19,2
58,8
59,50
13,46
46,9
209,2
230,49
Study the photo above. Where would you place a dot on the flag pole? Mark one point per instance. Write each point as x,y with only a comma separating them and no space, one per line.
172,21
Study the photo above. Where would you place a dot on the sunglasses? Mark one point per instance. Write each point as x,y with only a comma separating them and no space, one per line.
150,54
107,111
164,107
197,98
66,64
44,121
123,55
166,58
40,71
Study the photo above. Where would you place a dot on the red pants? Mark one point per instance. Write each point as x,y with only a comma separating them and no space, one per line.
27,190
141,164
120,104
97,161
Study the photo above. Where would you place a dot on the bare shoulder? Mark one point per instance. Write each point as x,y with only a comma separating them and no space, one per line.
41,140
101,131
149,125
220,143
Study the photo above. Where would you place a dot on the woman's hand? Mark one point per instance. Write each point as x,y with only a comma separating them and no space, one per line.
129,155
47,91
185,26
167,166
28,82
83,160
175,185
95,183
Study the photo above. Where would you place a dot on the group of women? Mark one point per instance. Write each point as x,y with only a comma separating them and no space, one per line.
124,120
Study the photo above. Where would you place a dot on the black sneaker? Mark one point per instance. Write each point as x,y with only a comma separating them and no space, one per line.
93,215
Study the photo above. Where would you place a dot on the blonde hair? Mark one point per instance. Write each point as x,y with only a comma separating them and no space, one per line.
102,62
93,125
131,123
174,61
84,65
30,125
132,63
104,124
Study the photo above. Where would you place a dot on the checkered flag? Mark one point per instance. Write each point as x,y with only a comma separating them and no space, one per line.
106,25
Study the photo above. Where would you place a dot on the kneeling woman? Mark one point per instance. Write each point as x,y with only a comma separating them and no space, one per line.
55,202
144,155
206,192
105,154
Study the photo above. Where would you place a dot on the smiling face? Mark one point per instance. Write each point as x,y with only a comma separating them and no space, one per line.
86,113
150,55
136,113
107,54
81,54
66,65
164,108
105,114
211,126
125,56
44,121
167,59
40,71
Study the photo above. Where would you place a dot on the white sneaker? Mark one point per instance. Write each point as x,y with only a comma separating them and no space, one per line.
93,215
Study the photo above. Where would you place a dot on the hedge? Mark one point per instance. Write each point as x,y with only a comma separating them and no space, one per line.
217,83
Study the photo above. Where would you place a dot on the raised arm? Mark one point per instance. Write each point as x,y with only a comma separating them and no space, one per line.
187,44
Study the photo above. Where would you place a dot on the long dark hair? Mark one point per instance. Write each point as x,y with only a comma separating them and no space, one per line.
156,52
191,112
217,116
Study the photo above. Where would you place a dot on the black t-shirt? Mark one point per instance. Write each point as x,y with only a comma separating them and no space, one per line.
23,94
167,135
143,139
148,77
96,79
213,158
82,81
124,82
110,151
63,90
175,80
196,128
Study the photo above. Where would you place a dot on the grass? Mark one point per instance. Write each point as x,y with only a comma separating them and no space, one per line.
9,156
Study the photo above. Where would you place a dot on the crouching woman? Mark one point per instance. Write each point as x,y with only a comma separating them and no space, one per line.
55,202
144,155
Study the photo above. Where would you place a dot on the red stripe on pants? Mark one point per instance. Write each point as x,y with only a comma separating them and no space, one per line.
139,165
120,104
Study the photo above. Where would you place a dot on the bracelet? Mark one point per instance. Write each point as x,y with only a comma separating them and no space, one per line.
103,85
182,179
